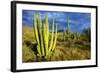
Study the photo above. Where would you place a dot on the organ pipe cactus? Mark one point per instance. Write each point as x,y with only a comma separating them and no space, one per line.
52,37
40,34
36,35
46,35
44,47
68,29
55,39
66,33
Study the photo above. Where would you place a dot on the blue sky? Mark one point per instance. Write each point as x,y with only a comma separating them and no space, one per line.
77,21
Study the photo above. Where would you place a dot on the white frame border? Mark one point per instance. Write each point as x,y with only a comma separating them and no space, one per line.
38,65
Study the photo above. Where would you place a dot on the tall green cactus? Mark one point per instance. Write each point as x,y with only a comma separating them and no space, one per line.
66,33
46,34
44,47
52,37
55,39
68,29
40,34
36,35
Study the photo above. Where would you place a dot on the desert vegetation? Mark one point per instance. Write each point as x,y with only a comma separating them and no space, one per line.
40,44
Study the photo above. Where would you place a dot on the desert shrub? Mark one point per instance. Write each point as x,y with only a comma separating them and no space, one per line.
79,42
28,34
66,53
86,34
27,54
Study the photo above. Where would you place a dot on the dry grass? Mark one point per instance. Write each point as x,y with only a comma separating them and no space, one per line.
64,50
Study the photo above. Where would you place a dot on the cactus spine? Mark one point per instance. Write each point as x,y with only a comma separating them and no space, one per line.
44,48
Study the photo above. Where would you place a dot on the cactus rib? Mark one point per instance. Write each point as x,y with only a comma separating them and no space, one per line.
40,30
36,35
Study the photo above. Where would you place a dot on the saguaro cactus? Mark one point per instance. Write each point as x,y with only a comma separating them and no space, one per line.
44,47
